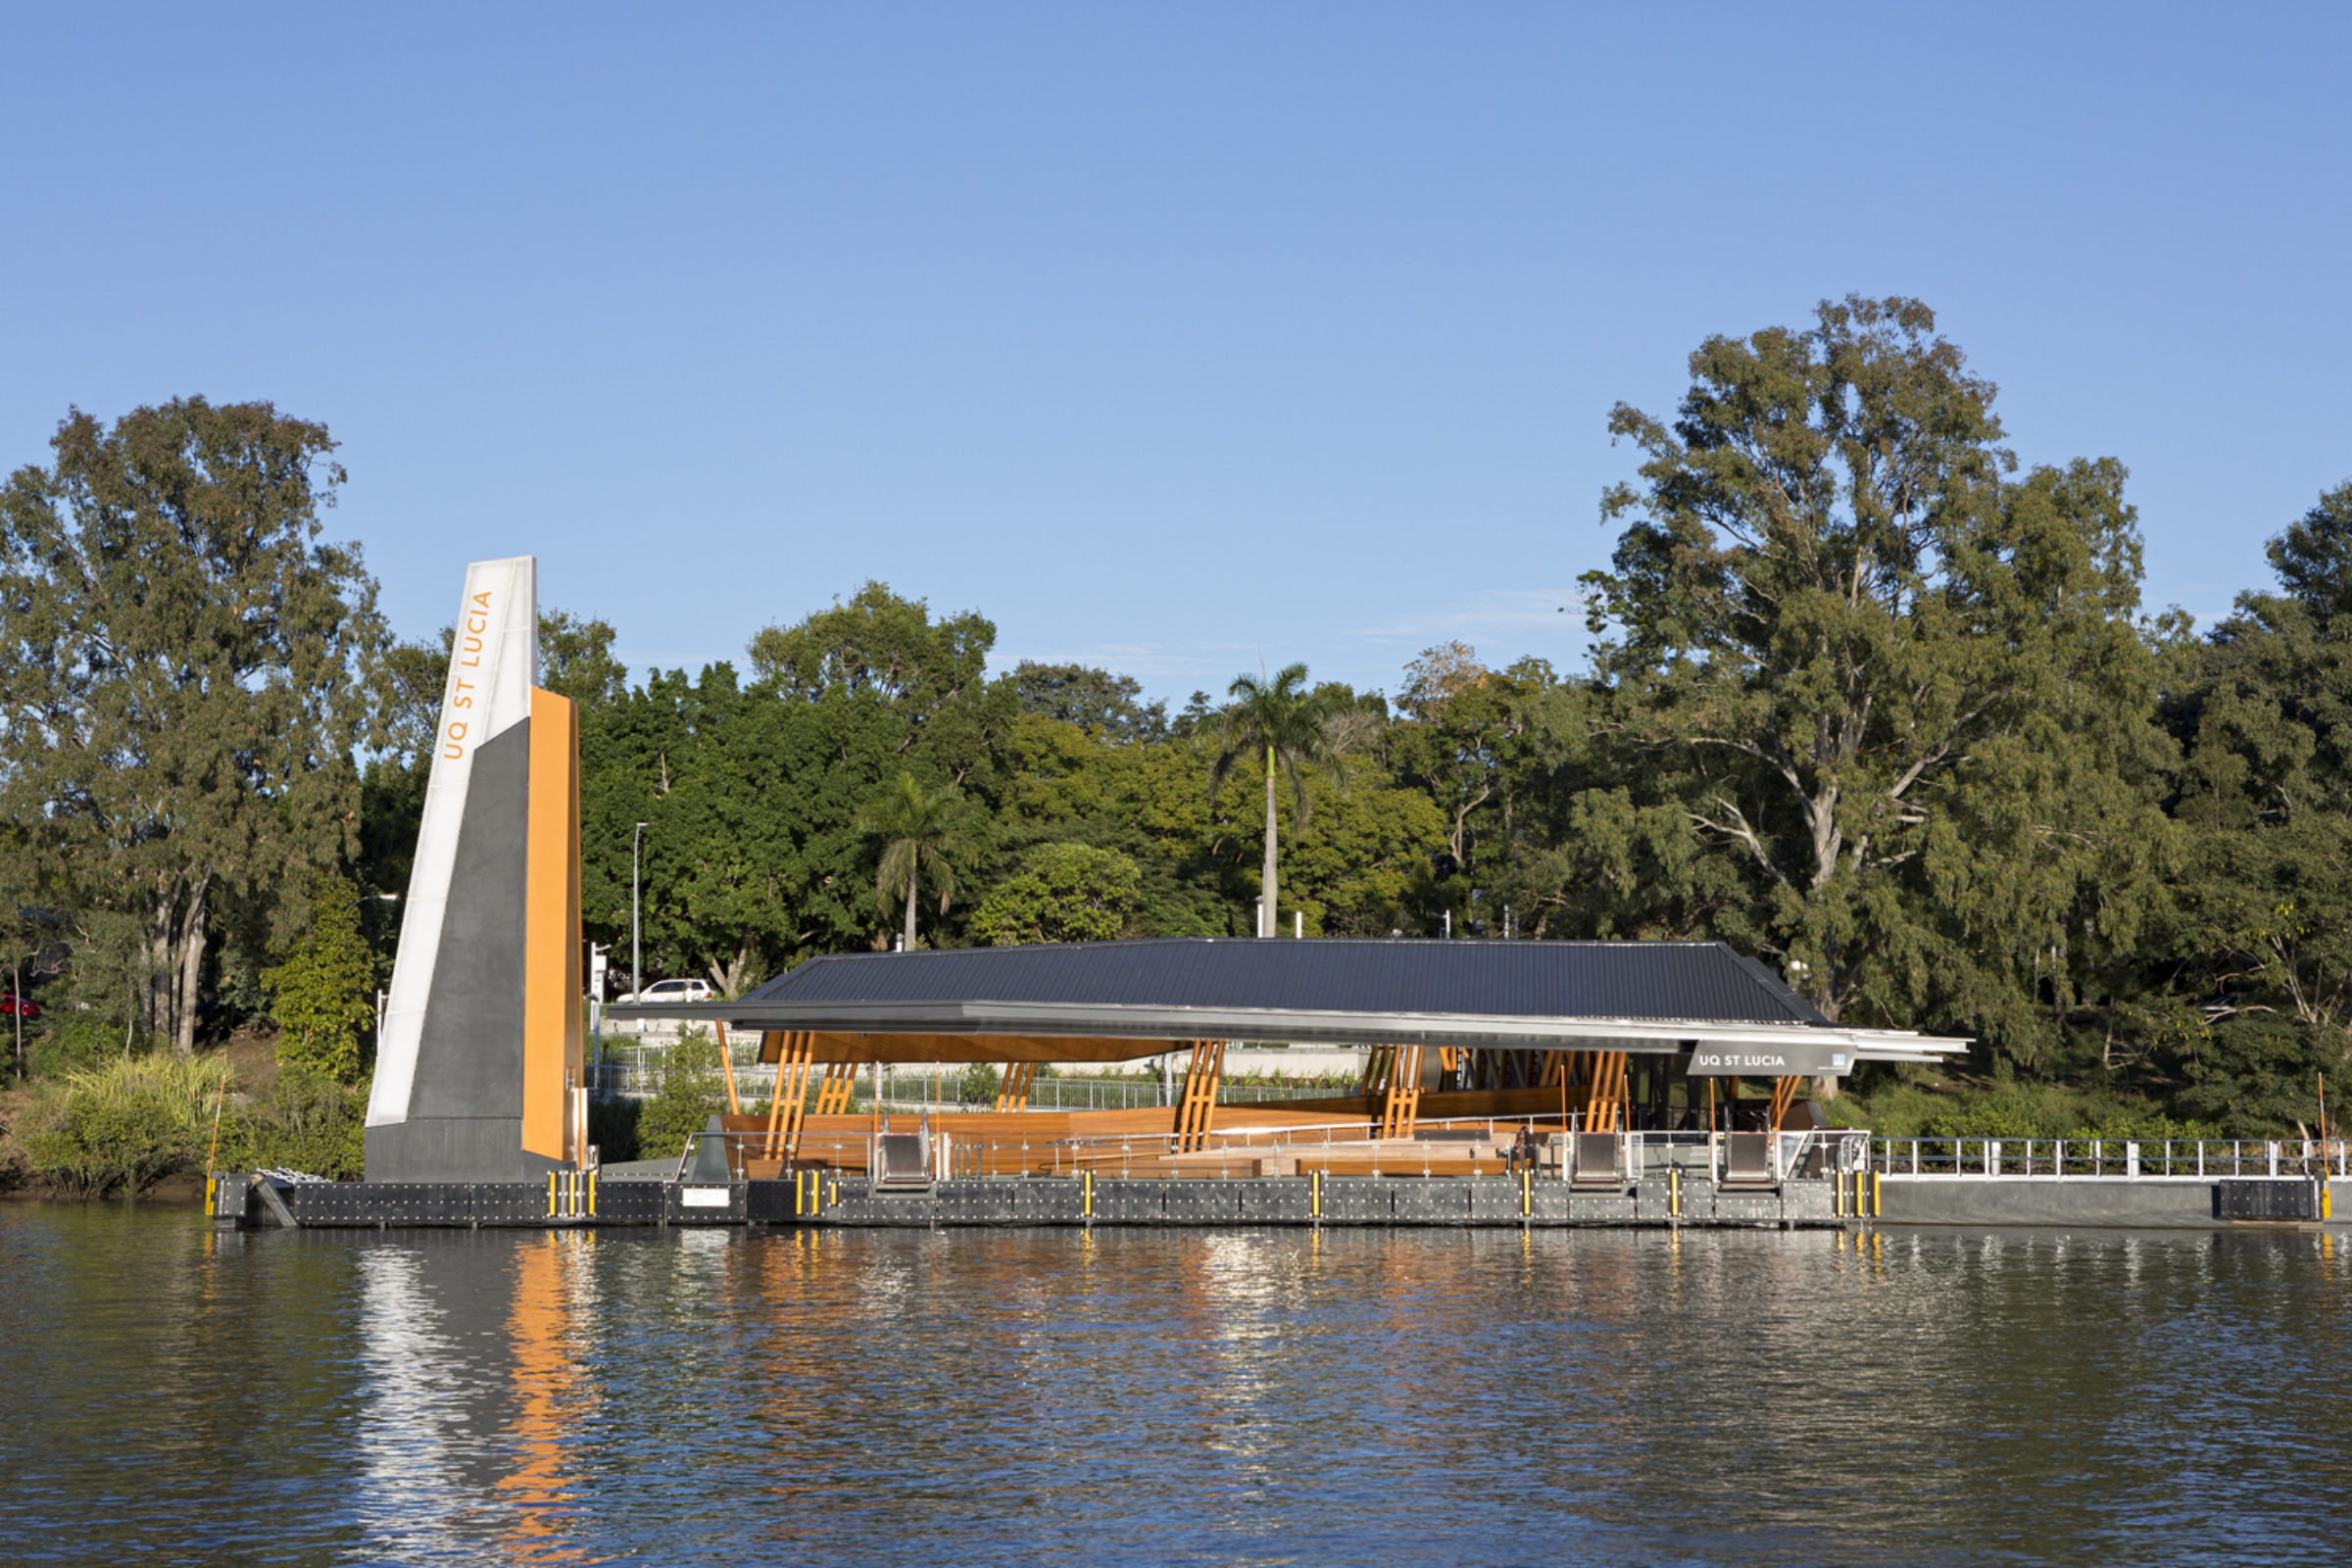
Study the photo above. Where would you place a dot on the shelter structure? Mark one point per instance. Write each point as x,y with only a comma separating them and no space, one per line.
1469,1041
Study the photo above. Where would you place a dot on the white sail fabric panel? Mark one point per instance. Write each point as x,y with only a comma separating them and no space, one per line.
492,668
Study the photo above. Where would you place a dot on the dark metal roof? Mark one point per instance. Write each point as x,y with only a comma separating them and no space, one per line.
1660,981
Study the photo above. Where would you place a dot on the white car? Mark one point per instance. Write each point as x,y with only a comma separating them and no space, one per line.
675,990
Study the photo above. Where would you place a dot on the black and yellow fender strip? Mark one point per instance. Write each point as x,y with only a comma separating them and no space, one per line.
571,1195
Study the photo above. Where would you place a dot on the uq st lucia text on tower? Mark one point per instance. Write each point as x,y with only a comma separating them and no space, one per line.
477,1075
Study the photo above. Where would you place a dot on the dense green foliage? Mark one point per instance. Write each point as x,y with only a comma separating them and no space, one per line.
1100,703
73,1039
691,1091
119,1127
308,1121
186,675
1060,893
323,1003
1901,697
127,1123
1869,700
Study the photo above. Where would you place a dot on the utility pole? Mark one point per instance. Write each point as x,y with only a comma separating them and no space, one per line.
636,974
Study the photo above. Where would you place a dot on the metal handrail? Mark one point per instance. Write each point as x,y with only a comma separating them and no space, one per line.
1077,1153
2110,1158
1645,1154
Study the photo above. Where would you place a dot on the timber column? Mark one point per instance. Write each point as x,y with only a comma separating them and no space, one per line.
477,1074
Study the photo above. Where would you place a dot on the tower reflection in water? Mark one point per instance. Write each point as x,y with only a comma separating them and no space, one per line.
472,1396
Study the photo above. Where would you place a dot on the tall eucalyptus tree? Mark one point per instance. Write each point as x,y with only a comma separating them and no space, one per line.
185,672
1908,696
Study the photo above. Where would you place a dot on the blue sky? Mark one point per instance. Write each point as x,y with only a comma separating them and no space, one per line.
1165,337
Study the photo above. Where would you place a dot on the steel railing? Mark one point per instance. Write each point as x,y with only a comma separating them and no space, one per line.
1441,1146
2114,1159
1800,1153
1234,1151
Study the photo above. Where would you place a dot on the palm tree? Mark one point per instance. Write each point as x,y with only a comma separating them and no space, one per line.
1291,726
920,837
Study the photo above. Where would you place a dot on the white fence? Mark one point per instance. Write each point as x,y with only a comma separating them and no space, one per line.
2120,1159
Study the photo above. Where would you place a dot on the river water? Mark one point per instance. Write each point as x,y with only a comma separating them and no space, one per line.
1168,1397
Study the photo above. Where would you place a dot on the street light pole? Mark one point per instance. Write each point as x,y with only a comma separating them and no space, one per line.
636,976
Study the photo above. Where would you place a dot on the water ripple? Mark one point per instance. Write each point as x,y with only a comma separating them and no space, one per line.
1218,1398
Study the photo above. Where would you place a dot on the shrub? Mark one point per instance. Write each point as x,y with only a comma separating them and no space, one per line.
691,1091
2051,1111
978,1083
307,1123
1891,1111
121,1127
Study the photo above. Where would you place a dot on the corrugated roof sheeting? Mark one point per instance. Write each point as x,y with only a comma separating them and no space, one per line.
1646,980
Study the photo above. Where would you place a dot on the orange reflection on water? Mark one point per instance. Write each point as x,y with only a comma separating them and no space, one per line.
550,1397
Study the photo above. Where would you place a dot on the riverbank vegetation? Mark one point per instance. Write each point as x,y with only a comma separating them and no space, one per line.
1869,698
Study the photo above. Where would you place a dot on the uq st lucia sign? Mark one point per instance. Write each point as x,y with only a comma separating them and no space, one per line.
1807,1057
477,1074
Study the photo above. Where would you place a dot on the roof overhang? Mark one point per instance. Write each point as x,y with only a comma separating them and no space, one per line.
1034,1031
